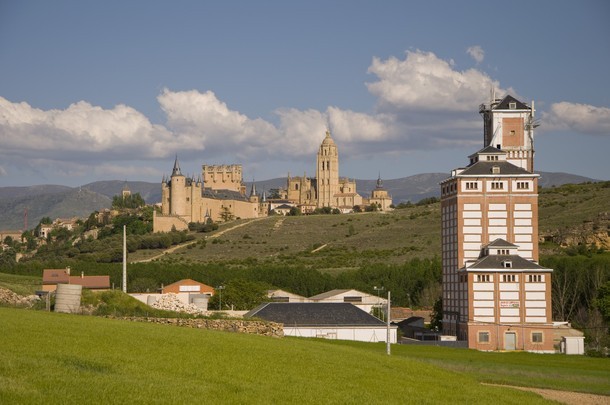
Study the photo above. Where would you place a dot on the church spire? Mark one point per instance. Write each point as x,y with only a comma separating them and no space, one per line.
253,189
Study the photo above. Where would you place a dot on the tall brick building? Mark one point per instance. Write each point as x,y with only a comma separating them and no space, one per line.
495,294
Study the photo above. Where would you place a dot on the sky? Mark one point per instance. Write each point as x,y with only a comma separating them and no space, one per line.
115,90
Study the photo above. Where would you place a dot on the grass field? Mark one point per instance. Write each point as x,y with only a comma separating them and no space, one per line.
59,358
22,285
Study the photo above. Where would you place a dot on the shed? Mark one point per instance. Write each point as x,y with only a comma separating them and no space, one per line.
329,320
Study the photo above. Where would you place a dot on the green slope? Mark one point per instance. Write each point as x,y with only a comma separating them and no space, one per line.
58,358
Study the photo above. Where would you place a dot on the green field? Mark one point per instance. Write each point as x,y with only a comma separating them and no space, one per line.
59,358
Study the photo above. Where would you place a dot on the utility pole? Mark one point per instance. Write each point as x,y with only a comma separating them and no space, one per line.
124,258
220,288
388,328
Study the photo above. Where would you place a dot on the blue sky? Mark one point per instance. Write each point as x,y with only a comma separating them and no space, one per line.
115,89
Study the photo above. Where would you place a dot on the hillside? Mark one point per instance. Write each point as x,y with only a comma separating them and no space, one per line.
60,358
48,200
59,203
569,215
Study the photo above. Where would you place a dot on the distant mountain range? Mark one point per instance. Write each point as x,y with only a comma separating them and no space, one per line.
57,201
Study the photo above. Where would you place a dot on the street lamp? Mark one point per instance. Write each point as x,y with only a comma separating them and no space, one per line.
379,289
220,288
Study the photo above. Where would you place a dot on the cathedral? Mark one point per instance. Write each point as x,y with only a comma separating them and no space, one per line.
327,189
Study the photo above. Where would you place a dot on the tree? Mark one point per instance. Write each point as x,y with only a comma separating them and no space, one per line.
240,294
436,323
294,211
129,201
226,215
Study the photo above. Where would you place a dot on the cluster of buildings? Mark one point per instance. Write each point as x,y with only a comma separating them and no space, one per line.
219,193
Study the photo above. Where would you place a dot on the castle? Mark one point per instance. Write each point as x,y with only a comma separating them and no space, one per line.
495,294
219,194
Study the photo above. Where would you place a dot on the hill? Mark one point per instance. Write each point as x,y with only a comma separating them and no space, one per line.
53,203
59,358
60,199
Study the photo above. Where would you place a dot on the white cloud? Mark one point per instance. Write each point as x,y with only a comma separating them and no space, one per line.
424,82
581,118
477,53
3,172
82,128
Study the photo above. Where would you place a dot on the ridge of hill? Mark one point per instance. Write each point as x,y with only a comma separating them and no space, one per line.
60,201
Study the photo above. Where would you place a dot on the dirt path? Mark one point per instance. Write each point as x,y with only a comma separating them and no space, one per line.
564,397
174,248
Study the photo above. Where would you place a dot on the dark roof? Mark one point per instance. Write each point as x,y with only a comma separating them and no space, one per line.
283,207
500,243
488,150
496,262
314,314
482,168
504,104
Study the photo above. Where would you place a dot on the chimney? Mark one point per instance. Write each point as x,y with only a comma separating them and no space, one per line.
68,270
82,274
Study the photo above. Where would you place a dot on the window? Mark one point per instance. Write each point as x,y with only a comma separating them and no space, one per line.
507,264
497,185
535,278
352,299
512,132
523,185
472,185
509,278
512,106
483,337
536,337
495,170
483,278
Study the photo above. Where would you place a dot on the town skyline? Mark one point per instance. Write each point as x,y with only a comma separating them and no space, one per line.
398,84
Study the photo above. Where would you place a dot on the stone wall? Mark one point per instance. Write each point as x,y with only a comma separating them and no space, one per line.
225,325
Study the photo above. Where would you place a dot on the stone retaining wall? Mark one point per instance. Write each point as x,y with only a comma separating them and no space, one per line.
226,325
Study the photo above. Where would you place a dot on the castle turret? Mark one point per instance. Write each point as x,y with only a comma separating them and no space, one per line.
177,191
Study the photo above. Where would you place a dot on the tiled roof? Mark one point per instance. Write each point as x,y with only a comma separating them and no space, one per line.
486,168
224,195
504,104
55,276
314,314
496,262
501,243
488,150
91,281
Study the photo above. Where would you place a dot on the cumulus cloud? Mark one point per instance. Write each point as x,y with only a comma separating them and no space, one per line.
82,127
423,102
583,118
477,53
424,82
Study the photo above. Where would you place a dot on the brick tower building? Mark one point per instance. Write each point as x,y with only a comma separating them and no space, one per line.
495,295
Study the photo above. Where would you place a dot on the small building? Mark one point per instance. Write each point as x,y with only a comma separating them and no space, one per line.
52,277
188,286
362,300
285,296
328,320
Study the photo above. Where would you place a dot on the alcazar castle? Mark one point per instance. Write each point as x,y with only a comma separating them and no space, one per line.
219,194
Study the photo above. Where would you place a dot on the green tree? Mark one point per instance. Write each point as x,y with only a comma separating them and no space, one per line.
240,294
436,323
226,215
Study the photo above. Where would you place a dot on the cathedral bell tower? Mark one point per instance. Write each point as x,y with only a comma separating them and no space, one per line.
327,172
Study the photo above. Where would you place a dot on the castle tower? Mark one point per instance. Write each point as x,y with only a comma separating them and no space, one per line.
508,124
489,214
327,172
177,191
253,196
